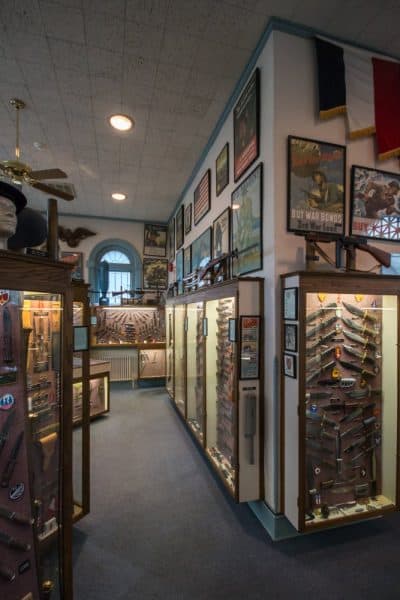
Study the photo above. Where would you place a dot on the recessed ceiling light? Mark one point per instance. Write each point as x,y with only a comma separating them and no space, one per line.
121,122
118,196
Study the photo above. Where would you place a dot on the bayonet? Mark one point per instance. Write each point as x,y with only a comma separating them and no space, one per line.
358,427
317,359
6,428
356,413
359,328
12,461
357,368
322,340
322,368
321,311
361,355
370,449
355,445
360,340
12,542
359,312
311,332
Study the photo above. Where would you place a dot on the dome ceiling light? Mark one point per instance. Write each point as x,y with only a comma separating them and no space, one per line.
121,122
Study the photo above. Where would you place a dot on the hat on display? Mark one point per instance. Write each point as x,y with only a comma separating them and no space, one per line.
13,194
31,230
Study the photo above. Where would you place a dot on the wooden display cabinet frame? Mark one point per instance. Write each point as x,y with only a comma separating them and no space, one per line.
21,273
327,282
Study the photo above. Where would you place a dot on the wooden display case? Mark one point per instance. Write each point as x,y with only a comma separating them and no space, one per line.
217,378
340,408
128,326
151,365
36,427
169,324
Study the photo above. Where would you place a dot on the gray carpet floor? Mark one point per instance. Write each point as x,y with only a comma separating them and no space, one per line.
162,527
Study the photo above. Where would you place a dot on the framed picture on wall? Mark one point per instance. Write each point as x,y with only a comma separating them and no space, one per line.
290,304
246,127
246,207
155,240
179,235
375,204
179,271
155,274
188,219
187,261
290,337
222,170
202,198
77,271
316,186
221,234
201,250
289,365
171,240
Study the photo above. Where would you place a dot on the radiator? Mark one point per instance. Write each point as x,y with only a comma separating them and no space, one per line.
123,363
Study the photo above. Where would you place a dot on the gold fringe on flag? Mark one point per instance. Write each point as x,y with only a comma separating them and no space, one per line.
389,154
333,112
358,133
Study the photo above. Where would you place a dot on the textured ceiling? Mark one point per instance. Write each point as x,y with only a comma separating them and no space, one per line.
171,64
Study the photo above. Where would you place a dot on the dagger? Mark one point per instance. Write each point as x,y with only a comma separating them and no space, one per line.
365,393
363,355
312,445
6,573
318,395
7,341
357,368
311,332
325,338
357,338
317,313
14,516
356,413
364,314
311,362
363,453
358,427
355,445
12,461
6,429
12,542
360,328
322,368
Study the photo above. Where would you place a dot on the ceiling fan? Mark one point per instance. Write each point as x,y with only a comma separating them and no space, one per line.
20,173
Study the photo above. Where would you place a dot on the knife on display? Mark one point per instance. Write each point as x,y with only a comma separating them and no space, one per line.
12,461
12,542
6,428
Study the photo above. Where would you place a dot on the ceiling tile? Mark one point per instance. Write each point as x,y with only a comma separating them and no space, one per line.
63,22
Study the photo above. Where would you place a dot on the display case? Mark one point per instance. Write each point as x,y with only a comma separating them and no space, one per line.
128,326
35,428
169,350
340,397
151,365
218,378
99,390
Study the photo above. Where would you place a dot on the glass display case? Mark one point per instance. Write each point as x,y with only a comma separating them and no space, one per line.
35,429
169,322
99,390
128,325
195,368
151,364
340,375
218,378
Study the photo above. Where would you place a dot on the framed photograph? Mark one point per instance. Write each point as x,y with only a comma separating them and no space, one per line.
202,198
188,219
289,365
81,338
171,240
246,127
375,204
77,271
316,186
246,219
179,271
201,250
221,234
290,331
155,274
187,261
250,347
290,304
155,240
222,170
179,227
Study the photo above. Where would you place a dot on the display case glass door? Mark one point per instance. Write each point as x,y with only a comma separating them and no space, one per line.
195,368
77,417
180,363
221,387
169,317
351,405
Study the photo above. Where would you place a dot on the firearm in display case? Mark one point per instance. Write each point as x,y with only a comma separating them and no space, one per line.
218,378
341,409
128,325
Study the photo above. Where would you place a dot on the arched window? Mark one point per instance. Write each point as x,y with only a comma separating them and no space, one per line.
124,264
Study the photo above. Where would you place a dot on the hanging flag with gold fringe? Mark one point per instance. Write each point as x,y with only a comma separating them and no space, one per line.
359,80
387,107
331,79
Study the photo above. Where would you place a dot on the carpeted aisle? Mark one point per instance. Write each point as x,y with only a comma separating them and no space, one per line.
161,527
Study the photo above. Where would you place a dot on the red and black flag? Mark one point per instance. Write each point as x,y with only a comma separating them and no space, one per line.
331,79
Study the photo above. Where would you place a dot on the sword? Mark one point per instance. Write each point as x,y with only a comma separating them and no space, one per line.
362,355
357,368
6,428
317,313
311,332
12,461
359,328
357,338
364,314
12,542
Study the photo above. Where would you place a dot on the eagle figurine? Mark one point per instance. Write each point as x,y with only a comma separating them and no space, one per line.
73,237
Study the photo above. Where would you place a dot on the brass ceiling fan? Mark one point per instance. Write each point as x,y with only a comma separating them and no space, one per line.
20,173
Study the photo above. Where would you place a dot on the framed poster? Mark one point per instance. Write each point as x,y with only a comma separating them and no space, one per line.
202,198
246,127
155,274
375,204
316,186
290,304
179,271
188,219
247,224
221,234
155,240
250,347
171,240
77,271
179,236
201,250
290,335
222,170
187,261
289,365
